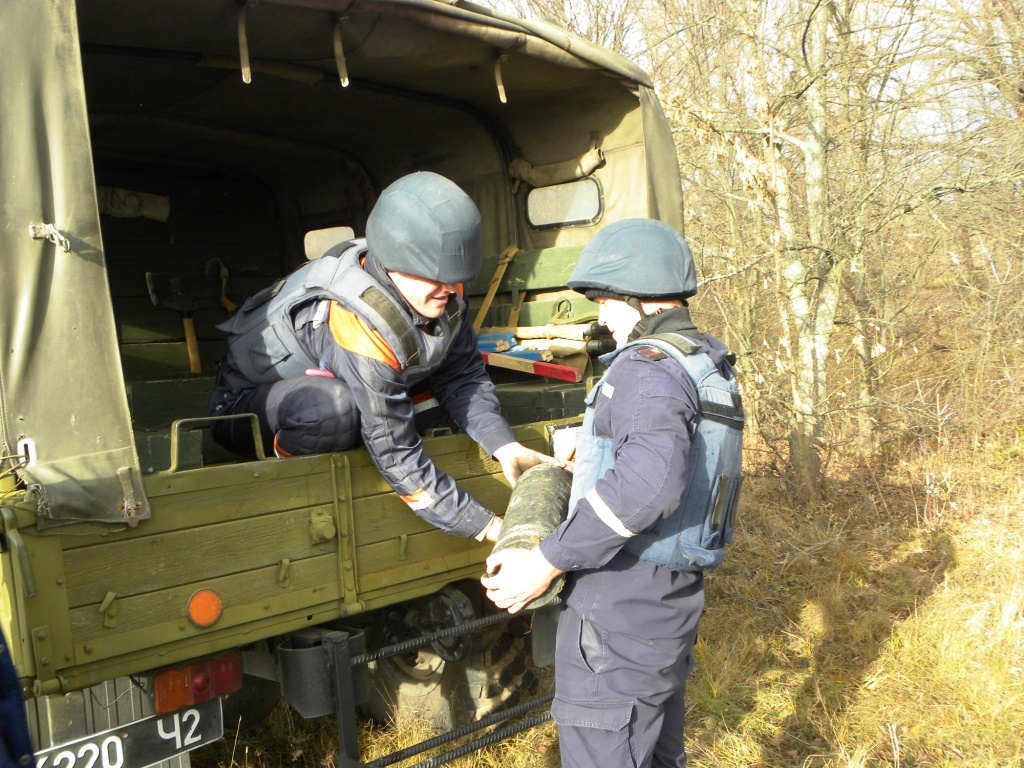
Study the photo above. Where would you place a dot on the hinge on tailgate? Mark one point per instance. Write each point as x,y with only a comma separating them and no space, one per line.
42,649
341,481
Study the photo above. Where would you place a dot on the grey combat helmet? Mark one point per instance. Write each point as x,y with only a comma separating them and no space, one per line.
636,258
425,225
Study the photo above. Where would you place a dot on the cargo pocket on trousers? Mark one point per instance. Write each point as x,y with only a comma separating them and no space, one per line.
606,715
612,717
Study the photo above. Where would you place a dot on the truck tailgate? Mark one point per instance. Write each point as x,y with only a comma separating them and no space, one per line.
284,544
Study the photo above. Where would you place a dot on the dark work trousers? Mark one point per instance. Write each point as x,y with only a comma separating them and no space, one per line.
622,657
307,414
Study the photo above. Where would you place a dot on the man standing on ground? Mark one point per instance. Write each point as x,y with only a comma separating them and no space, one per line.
654,489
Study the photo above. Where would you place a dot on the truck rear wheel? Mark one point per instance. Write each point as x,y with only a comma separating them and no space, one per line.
420,684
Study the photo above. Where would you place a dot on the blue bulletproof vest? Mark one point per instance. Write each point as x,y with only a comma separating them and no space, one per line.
694,535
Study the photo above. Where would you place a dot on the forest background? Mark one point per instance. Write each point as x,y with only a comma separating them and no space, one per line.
853,177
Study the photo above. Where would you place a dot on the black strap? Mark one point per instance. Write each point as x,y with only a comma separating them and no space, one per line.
454,313
395,322
728,415
684,344
731,416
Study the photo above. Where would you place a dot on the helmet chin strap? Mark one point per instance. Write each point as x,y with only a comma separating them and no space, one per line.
634,302
644,320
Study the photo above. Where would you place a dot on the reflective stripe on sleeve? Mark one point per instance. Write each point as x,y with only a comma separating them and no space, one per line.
607,516
418,500
425,405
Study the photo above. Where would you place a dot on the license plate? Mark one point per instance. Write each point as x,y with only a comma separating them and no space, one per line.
142,743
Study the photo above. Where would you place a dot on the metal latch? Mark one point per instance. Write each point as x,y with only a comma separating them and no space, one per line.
109,610
9,528
321,527
130,508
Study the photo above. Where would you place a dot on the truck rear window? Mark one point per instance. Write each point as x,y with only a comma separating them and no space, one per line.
560,205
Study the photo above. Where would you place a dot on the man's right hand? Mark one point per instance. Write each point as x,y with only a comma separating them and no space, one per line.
515,577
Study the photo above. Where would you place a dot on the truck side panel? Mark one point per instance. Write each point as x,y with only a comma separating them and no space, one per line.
289,544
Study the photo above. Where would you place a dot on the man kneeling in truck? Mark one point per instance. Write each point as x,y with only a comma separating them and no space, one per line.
373,339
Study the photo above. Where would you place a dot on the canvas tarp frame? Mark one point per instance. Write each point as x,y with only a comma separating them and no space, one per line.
535,37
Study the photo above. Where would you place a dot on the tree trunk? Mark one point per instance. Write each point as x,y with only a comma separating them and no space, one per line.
811,281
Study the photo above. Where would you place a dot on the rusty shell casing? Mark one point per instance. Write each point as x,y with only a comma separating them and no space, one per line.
539,504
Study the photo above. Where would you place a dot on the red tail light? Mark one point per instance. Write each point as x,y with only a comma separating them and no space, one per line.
182,686
226,672
171,690
202,682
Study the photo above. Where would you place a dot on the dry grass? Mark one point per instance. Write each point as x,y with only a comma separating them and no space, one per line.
284,739
882,629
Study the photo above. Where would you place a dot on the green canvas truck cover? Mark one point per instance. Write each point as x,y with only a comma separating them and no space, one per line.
63,405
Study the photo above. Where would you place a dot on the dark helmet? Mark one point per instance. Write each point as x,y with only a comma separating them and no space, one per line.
424,225
642,258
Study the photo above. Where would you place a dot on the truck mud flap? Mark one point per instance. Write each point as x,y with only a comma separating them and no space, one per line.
323,672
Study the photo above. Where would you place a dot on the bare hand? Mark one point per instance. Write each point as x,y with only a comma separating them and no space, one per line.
516,458
517,577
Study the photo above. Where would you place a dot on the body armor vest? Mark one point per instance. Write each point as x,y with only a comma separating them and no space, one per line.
262,338
694,535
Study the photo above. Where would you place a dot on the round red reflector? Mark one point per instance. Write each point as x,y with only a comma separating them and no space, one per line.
204,608
200,682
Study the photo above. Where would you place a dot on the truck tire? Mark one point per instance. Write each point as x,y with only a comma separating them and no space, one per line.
422,685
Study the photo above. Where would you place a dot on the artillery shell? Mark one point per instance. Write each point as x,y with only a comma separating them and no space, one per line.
539,503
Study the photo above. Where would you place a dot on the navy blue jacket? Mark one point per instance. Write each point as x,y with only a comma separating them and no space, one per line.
655,410
381,394
15,746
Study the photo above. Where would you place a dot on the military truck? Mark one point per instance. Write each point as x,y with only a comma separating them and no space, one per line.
201,145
